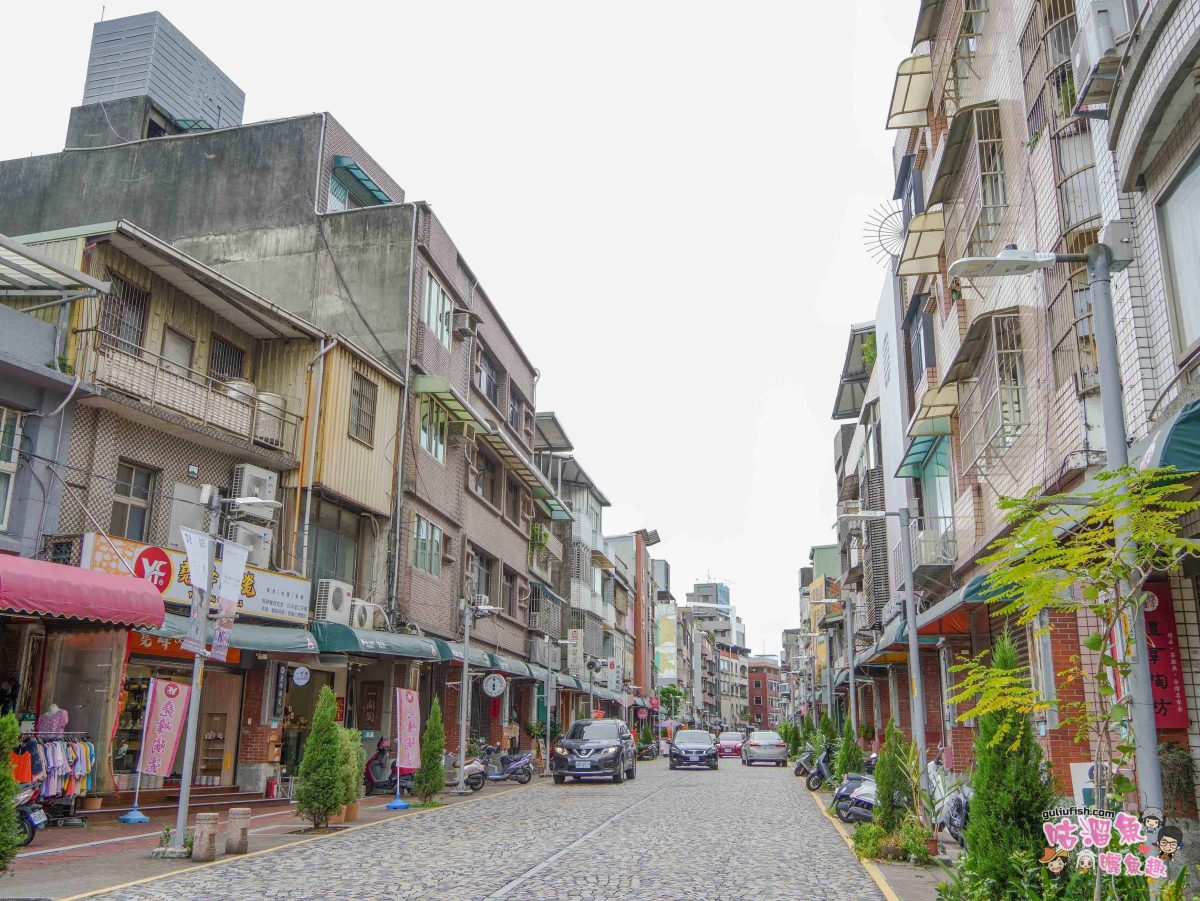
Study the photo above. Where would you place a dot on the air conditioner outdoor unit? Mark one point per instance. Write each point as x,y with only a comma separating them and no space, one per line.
464,430
254,481
466,324
334,599
360,615
1094,54
258,538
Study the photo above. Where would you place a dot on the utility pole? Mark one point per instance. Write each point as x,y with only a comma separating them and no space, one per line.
470,612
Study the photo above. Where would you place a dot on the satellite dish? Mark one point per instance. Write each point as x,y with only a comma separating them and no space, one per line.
883,233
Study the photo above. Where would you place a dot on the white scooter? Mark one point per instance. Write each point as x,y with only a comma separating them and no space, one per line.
473,774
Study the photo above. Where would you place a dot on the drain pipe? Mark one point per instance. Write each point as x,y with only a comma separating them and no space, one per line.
398,515
314,411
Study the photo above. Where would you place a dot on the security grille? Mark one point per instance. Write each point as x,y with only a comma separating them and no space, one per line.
875,558
225,360
123,317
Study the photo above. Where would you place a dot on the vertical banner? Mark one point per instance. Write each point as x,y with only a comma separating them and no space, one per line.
198,547
408,731
1166,664
166,710
229,589
576,659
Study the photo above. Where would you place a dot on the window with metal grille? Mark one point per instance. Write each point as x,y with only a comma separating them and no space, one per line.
123,315
132,497
993,194
363,394
10,445
1070,319
489,378
1033,63
508,593
992,411
512,500
966,45
487,479
225,360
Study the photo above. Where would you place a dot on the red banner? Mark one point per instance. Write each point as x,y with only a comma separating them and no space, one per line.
166,712
1166,666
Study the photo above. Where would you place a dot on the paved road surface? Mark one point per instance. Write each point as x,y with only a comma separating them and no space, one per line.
739,833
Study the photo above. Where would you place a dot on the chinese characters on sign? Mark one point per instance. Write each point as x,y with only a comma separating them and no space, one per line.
408,731
1090,832
1166,667
166,710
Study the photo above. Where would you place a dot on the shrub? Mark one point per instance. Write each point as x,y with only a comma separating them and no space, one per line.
914,840
645,736
850,755
892,796
322,784
794,742
868,838
828,733
10,735
431,777
354,761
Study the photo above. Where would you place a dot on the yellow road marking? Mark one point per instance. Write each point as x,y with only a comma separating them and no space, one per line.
873,871
233,858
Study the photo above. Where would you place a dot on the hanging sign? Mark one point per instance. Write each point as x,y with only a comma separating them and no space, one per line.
408,731
166,712
301,676
494,685
229,587
198,547
1166,666
278,690
643,713
576,659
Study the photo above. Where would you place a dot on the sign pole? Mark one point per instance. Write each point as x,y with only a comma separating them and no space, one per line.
135,815
397,803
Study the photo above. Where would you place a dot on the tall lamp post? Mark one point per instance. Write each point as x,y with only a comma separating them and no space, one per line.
550,687
848,622
1112,252
470,613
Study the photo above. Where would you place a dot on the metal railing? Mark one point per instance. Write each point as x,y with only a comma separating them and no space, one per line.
933,546
106,359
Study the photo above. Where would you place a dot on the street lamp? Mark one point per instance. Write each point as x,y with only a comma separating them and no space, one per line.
470,613
816,717
1111,252
550,687
848,612
916,690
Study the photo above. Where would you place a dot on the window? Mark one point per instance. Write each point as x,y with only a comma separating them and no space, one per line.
516,409
427,546
334,542
363,394
130,516
1181,223
993,196
489,378
1070,319
508,597
339,196
481,575
512,499
123,318
992,411
10,447
177,350
225,360
439,310
487,479
758,700
433,427
758,683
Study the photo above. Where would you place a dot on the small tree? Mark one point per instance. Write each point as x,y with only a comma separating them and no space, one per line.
850,755
322,788
892,797
669,699
828,733
794,741
645,736
431,777
10,735
354,760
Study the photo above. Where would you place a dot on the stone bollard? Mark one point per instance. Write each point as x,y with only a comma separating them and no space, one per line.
237,834
204,846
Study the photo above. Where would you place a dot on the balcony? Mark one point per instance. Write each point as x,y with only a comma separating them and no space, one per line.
545,611
609,614
584,598
189,403
541,564
933,553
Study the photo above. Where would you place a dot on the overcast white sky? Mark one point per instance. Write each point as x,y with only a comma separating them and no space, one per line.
664,199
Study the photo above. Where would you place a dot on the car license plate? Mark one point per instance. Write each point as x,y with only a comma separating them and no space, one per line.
694,758
583,764
38,817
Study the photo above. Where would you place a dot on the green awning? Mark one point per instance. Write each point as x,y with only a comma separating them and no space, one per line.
569,682
921,446
459,407
246,636
348,165
337,638
480,659
514,667
1176,442
516,462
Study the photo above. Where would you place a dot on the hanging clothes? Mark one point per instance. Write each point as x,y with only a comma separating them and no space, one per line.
60,767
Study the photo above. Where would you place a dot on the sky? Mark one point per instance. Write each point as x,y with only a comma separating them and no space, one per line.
665,200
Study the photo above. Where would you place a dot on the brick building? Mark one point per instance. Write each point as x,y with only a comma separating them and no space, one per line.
767,690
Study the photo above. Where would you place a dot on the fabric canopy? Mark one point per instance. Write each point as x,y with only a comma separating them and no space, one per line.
480,659
1176,442
53,589
337,638
514,667
247,636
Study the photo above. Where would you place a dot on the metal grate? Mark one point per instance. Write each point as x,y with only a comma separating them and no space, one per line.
993,409
1070,318
225,360
123,318
363,395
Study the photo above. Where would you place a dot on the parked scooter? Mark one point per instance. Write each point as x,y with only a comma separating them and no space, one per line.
30,816
805,761
822,769
842,794
499,767
860,807
473,772
648,752
382,771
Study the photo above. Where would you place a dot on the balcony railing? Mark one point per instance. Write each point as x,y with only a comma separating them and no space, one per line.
545,612
584,598
610,616
933,551
108,360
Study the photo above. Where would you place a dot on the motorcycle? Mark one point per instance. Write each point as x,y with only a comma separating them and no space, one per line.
821,770
851,782
30,816
957,810
500,767
382,771
805,762
860,807
869,763
473,773
648,752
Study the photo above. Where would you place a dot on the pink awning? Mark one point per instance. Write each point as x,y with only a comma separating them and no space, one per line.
52,589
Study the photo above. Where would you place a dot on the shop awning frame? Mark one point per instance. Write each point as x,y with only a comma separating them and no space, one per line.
39,588
480,659
336,638
1176,442
447,395
515,461
513,667
911,92
927,19
245,636
922,250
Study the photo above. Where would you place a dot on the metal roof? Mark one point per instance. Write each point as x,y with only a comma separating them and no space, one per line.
550,435
516,461
852,387
27,272
460,408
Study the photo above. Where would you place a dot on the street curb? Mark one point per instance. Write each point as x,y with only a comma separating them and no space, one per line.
228,859
873,871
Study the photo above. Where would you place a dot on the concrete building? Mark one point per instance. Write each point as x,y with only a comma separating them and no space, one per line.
768,690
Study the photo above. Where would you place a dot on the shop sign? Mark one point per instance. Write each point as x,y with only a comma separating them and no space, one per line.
408,731
145,644
597,714
654,703
301,675
1166,666
198,547
616,675
576,659
262,593
643,713
340,715
233,569
166,711
279,690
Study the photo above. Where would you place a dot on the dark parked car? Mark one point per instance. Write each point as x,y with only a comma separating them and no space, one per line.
693,747
595,748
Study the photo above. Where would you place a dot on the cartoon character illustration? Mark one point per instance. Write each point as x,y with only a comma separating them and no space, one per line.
1055,860
1170,840
1152,819
1085,860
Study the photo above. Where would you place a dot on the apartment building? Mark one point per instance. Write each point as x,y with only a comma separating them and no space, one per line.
768,692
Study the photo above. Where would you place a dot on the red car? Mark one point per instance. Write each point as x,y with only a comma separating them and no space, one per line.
729,744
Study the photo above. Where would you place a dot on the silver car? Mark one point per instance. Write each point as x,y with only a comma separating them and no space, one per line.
764,747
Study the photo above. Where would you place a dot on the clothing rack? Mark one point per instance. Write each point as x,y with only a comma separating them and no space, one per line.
65,813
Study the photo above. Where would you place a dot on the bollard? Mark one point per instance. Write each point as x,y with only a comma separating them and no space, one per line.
237,835
204,845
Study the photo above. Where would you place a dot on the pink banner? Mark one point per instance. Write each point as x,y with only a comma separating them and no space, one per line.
166,712
408,731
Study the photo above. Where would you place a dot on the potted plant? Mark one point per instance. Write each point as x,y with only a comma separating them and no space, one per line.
322,790
354,761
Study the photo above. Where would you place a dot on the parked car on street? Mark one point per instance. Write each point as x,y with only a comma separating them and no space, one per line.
693,747
764,747
595,748
729,744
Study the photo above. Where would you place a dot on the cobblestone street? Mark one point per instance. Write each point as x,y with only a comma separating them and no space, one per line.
734,834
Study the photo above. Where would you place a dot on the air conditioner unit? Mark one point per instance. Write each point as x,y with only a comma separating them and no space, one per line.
334,599
360,615
254,481
466,324
258,538
1094,54
465,430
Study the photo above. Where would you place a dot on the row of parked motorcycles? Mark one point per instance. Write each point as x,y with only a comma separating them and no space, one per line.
382,772
855,798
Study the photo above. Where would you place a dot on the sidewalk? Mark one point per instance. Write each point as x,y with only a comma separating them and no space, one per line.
67,862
